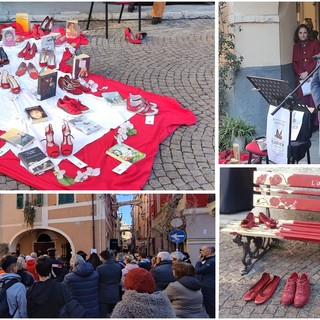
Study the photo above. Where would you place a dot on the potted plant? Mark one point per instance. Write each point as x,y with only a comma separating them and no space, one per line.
234,130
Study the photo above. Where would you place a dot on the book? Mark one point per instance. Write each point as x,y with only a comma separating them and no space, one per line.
36,114
125,153
35,160
48,42
9,37
23,20
72,29
85,125
81,65
17,138
114,98
47,84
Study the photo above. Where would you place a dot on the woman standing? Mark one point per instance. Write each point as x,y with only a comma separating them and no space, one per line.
303,50
83,284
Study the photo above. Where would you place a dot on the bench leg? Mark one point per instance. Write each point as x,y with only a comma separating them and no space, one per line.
253,249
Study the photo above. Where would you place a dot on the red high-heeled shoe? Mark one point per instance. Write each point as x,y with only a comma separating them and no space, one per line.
128,35
43,58
4,80
51,60
66,145
25,50
31,53
14,85
51,147
44,23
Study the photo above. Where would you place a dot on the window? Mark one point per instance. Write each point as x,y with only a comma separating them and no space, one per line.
34,199
19,200
66,198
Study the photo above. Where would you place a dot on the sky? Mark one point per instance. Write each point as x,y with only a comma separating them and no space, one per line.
125,210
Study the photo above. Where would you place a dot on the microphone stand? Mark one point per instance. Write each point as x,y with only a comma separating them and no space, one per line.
289,101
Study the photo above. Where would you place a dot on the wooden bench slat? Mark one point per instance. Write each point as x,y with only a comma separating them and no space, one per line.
286,179
285,202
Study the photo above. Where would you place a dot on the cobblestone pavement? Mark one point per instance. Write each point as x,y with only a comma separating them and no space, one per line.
176,59
286,257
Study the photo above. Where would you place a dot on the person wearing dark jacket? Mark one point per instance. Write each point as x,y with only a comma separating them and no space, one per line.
26,277
45,297
109,282
205,270
185,293
94,260
59,270
162,271
83,284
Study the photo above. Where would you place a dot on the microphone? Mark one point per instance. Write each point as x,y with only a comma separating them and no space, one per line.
316,57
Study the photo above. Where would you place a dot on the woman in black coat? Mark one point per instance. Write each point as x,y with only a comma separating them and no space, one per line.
83,283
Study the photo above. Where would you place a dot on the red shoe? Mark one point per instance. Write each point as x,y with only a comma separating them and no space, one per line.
68,86
51,60
51,147
21,69
255,289
267,291
15,88
128,35
49,25
44,23
31,53
4,80
269,222
60,40
76,103
66,145
76,83
289,289
248,221
25,50
35,32
33,73
43,58
302,292
67,107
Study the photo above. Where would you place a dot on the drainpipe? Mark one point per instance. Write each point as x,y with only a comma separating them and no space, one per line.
93,227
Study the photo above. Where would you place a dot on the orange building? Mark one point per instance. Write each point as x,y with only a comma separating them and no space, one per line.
68,222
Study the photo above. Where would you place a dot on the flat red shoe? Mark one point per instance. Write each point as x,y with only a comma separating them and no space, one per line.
290,289
33,73
255,289
21,69
248,221
267,291
269,222
302,291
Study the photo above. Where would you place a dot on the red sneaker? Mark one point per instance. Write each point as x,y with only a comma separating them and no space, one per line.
76,103
302,292
290,289
67,107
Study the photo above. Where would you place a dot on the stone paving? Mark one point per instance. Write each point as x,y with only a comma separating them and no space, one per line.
177,60
286,257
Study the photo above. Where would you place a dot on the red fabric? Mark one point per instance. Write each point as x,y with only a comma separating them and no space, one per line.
171,115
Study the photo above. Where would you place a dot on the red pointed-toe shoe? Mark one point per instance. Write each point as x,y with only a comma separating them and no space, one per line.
269,222
255,289
31,53
51,147
248,221
4,80
290,289
267,291
14,85
25,50
128,35
302,291
66,145
32,70
68,86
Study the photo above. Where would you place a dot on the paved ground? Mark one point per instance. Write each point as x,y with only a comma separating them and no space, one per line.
287,257
177,60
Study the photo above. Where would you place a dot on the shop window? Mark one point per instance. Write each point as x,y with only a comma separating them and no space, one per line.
66,198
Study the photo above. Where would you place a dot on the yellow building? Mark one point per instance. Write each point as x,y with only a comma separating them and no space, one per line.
68,222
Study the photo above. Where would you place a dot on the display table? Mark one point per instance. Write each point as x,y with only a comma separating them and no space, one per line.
171,115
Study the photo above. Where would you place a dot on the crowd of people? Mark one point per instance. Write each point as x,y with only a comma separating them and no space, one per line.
121,285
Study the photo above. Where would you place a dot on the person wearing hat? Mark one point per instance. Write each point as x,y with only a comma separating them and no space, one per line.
59,270
26,277
16,294
31,266
82,254
141,300
109,283
162,271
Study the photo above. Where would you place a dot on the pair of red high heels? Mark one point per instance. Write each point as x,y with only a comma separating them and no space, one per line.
42,29
262,290
135,39
9,82
47,58
28,52
66,145
248,222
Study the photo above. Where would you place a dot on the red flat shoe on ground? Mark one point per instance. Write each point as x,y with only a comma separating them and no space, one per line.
21,69
128,35
51,147
66,145
255,289
269,222
289,289
248,221
32,70
302,291
267,291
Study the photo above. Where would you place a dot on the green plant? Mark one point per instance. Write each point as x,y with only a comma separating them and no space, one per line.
229,60
230,128
29,214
